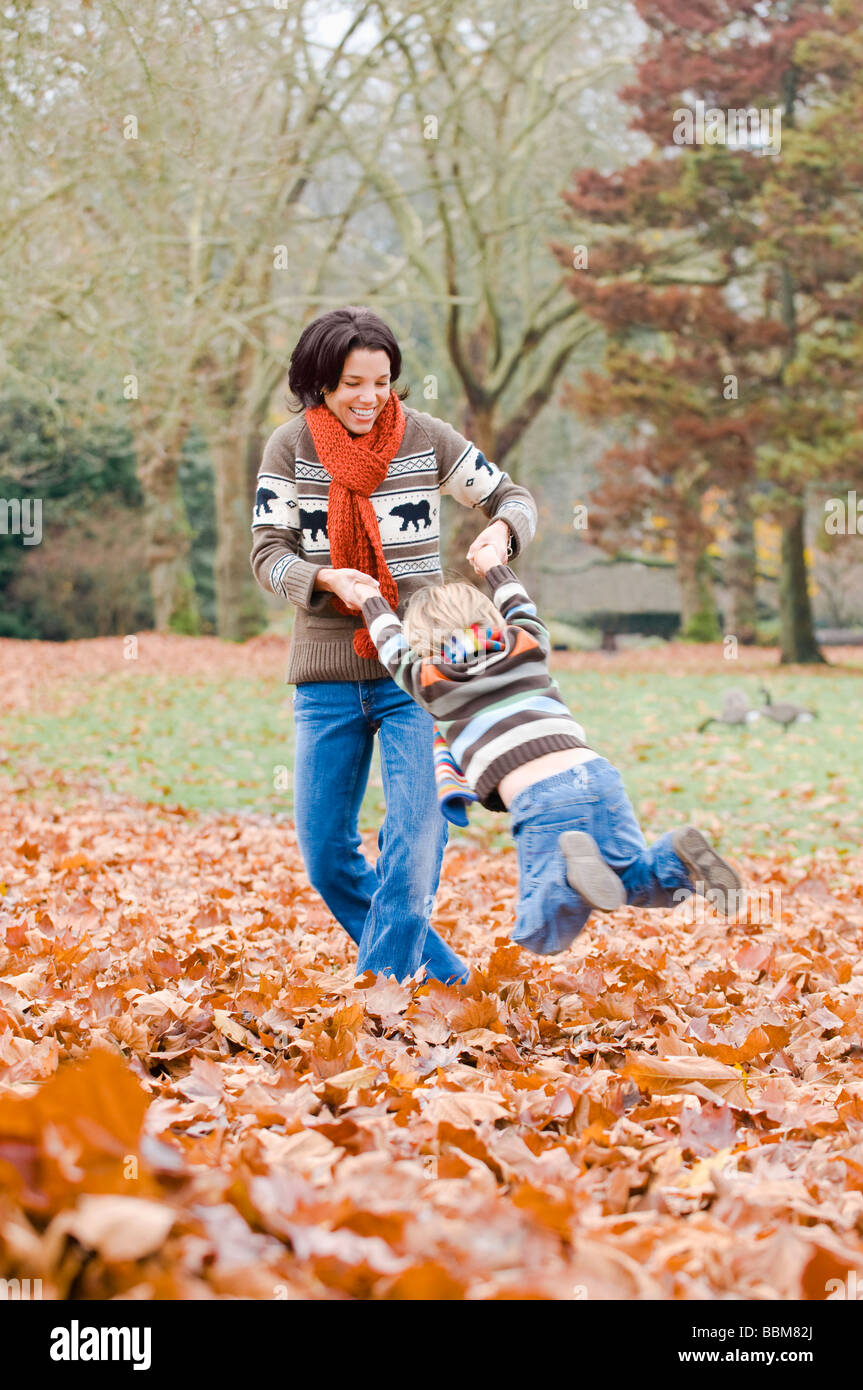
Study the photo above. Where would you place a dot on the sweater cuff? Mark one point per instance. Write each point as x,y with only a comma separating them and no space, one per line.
294,579
521,522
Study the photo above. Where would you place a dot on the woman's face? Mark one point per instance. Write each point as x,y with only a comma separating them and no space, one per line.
362,391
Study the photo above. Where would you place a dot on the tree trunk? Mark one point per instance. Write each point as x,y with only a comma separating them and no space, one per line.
478,427
168,536
740,570
796,623
699,617
236,455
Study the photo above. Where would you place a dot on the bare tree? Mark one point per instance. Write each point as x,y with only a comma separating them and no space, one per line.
189,137
208,178
489,106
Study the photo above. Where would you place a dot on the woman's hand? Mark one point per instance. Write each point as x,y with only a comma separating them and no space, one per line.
343,583
485,558
497,537
366,588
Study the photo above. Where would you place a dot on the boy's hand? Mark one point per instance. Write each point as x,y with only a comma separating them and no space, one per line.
484,559
497,536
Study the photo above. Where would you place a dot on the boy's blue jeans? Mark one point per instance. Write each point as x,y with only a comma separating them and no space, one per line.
385,909
591,797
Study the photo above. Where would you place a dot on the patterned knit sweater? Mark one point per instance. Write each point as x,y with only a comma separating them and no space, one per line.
497,707
289,526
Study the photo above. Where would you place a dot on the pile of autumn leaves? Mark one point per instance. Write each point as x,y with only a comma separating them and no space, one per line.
198,1100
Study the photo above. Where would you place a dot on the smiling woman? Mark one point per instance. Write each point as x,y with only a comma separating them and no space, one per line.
349,490
329,367
363,390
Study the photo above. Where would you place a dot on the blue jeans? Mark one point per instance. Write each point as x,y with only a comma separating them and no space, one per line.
385,909
591,797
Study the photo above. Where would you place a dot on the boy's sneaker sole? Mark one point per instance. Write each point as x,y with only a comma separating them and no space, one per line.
587,872
712,876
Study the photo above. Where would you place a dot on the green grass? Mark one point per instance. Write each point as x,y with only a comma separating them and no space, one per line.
212,743
194,742
761,788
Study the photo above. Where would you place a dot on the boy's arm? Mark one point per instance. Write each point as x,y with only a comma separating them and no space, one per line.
388,636
511,599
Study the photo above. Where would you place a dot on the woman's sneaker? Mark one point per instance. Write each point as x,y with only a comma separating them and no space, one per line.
587,872
712,877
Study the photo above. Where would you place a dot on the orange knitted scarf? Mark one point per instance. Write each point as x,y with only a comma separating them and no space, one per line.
357,467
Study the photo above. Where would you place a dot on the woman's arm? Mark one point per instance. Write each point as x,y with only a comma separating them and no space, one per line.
276,562
473,480
510,597
277,535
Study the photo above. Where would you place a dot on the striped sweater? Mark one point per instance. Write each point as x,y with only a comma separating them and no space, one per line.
496,708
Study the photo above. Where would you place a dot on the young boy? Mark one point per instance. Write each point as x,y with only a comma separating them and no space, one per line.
480,669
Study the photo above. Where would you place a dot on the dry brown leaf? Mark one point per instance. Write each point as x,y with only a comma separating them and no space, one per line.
118,1228
463,1107
669,1074
180,1026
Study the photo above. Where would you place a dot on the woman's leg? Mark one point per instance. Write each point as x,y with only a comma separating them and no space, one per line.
397,935
334,740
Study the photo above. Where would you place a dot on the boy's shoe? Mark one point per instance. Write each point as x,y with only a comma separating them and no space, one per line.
587,872
712,876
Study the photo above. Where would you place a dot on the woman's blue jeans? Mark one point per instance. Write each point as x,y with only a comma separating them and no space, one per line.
385,909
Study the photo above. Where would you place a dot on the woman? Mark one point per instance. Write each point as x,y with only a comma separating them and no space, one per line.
351,488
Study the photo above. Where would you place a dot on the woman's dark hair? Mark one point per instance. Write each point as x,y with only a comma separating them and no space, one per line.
319,356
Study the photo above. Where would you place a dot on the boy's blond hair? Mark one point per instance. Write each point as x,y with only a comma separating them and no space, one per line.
437,611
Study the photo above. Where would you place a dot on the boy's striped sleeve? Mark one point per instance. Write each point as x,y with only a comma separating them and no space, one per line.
394,652
454,792
512,600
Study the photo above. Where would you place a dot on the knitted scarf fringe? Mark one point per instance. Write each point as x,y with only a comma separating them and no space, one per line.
357,467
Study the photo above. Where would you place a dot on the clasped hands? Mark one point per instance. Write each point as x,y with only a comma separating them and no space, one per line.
491,547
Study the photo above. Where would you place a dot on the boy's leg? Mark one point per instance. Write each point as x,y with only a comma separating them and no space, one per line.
550,913
653,875
587,872
397,936
712,876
